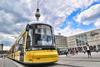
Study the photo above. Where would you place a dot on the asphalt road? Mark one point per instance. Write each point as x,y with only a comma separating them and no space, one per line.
79,60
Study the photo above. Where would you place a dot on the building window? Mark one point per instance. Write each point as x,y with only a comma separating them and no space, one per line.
81,39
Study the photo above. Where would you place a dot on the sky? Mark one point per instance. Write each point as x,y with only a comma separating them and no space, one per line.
68,17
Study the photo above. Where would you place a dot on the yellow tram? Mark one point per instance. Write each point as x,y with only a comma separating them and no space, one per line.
35,45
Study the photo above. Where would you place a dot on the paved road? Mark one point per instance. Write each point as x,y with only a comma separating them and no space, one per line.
80,60
5,62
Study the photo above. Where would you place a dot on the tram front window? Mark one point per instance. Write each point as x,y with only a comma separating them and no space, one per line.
43,36
40,36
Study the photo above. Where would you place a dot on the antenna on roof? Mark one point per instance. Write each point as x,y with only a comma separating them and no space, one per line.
37,14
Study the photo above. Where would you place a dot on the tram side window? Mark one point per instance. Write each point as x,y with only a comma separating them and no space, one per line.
21,40
19,45
28,42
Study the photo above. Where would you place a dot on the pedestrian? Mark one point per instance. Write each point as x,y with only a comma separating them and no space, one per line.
76,51
84,51
66,53
88,51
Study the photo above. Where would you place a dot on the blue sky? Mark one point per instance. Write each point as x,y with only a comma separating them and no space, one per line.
68,17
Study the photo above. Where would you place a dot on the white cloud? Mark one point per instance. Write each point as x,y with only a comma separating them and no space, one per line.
89,16
8,17
68,31
80,3
7,39
97,23
55,10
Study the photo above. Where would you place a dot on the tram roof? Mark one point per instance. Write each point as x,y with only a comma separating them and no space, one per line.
39,22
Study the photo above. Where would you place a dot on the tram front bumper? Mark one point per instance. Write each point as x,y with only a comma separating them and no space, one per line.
41,57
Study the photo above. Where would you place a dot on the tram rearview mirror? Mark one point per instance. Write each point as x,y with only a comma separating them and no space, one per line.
27,27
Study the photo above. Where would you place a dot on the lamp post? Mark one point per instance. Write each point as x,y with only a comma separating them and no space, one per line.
1,49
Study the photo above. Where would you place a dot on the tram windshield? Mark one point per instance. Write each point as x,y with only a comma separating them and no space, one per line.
42,36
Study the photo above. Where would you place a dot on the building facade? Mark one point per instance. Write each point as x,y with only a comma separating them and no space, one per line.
61,42
80,41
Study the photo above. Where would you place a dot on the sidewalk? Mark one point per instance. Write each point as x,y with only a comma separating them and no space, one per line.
93,54
5,62
80,60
